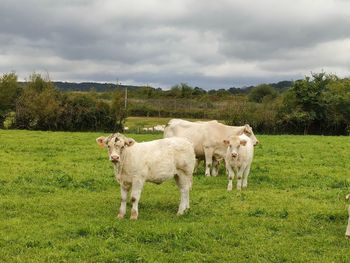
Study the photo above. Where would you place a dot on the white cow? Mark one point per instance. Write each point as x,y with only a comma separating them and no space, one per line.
238,159
347,233
154,161
159,128
207,139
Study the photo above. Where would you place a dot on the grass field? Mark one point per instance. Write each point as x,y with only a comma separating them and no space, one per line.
59,201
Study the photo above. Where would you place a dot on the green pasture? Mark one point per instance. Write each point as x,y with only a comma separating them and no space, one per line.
59,201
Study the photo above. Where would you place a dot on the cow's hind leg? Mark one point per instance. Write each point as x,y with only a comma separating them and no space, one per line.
196,164
208,160
215,167
136,190
184,182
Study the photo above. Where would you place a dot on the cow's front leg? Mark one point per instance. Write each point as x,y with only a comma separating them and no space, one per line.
136,190
239,179
347,233
245,176
231,175
124,195
184,182
208,160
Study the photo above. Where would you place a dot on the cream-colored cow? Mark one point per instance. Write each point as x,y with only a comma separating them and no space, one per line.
154,161
238,159
207,139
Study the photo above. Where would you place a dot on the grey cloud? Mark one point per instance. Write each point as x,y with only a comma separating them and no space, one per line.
177,41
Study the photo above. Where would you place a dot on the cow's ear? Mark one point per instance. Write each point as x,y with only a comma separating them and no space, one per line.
243,142
226,142
101,141
129,142
247,129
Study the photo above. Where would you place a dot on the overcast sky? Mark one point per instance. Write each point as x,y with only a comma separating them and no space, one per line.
209,44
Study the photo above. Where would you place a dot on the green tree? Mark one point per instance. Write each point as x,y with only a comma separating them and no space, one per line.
118,111
9,91
337,100
39,105
305,108
262,92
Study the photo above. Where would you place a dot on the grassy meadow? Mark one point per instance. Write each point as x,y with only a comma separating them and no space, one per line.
59,201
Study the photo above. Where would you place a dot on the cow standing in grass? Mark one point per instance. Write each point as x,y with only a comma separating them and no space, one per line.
206,137
238,159
154,161
347,233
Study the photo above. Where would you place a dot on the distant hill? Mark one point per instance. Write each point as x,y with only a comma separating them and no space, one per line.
105,87
87,86
280,86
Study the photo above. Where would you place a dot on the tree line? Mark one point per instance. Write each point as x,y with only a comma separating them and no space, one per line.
317,104
38,105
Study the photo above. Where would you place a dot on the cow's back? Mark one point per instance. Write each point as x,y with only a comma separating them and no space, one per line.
192,131
203,134
159,160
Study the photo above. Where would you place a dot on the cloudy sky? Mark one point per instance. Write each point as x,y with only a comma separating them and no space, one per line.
209,44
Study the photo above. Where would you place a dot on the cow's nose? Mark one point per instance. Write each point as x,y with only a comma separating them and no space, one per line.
234,155
257,142
115,158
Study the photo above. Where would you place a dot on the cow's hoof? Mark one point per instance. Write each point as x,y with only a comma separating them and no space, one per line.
133,215
229,189
120,216
347,236
180,213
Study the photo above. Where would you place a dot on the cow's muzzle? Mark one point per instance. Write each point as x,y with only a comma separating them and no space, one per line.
114,159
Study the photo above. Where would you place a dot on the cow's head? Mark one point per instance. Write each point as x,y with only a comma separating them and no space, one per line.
233,144
249,132
116,144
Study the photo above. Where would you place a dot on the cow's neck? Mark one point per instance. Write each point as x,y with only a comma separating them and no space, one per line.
119,167
117,171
